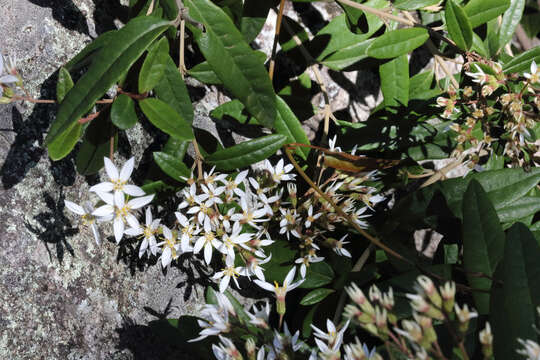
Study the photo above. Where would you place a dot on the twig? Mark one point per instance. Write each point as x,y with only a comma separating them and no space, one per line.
150,9
276,39
198,159
181,62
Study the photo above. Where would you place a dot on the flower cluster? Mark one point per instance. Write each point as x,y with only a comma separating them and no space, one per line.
9,78
498,112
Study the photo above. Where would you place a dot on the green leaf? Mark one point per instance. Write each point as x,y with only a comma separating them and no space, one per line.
254,16
87,55
233,61
515,294
156,186
153,67
315,296
479,46
360,22
96,145
165,118
348,56
458,25
176,147
523,61
317,275
64,143
172,166
283,256
287,124
173,90
335,36
234,109
510,20
65,83
308,321
110,63
527,205
422,86
414,4
483,242
123,114
481,11
394,76
246,153
398,42
204,73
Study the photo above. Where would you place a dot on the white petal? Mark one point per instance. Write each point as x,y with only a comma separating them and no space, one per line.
148,216
102,187
207,253
111,170
167,232
140,201
133,190
198,245
105,210
1,64
118,226
166,257
224,283
265,285
133,222
6,79
133,232
127,169
95,231
143,247
108,198
119,199
290,276
77,209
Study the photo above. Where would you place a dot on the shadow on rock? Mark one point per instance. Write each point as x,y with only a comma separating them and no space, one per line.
54,228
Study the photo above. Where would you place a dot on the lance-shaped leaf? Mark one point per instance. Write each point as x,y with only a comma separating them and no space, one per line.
287,124
246,153
172,166
153,67
481,11
172,90
523,61
515,294
398,42
86,55
233,61
483,242
458,25
64,84
414,4
64,143
109,65
165,118
123,114
395,81
315,296
510,20
96,145
519,209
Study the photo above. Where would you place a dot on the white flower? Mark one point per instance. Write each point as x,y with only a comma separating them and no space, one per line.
217,323
231,186
305,261
532,76
188,231
339,249
288,222
279,173
235,238
170,247
8,78
118,180
281,291
332,144
357,215
208,240
249,215
148,231
210,178
86,212
213,194
122,211
189,196
464,314
230,271
311,218
260,317
332,337
478,77
254,266
531,349
201,209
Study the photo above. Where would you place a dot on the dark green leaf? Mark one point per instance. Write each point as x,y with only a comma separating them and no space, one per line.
65,83
246,153
515,294
283,256
421,86
110,63
166,118
287,124
176,147
172,166
123,114
317,275
483,242
523,61
458,25
96,145
234,109
519,209
397,42
315,296
479,46
153,67
481,11
233,61
64,143
347,56
363,23
510,20
308,321
253,17
394,76
335,36
156,186
172,90
204,73
90,51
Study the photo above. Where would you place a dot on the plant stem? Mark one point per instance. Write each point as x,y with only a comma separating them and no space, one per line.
181,62
276,38
198,158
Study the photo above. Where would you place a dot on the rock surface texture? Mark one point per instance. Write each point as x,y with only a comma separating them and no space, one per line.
61,295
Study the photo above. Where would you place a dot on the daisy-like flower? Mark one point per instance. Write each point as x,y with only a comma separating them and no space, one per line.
533,76
148,231
213,194
288,222
305,261
211,178
280,172
332,144
531,349
201,210
332,337
121,211
170,247
118,179
217,323
250,215
479,76
209,241
357,216
88,219
339,249
254,265
230,271
188,230
311,218
226,350
231,186
259,317
189,197
8,78
235,238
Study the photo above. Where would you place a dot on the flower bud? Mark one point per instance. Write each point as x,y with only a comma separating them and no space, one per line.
430,290
250,349
448,293
486,339
464,316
